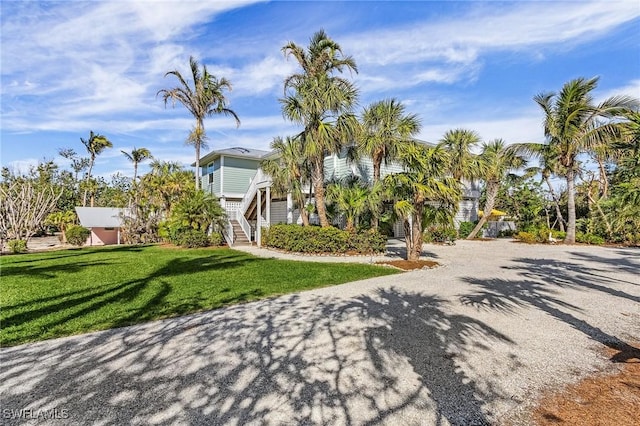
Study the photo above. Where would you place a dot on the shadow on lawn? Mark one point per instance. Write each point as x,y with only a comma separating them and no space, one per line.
541,285
45,314
393,357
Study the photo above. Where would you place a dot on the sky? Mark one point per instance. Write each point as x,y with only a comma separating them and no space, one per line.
71,67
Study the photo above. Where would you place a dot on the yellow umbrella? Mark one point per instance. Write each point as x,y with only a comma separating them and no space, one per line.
494,213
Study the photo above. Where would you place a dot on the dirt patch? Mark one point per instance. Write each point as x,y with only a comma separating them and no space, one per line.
410,265
603,400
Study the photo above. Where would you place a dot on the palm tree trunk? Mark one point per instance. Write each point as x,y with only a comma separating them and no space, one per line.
571,207
303,212
318,187
135,171
84,197
197,144
407,237
416,236
376,179
492,193
556,203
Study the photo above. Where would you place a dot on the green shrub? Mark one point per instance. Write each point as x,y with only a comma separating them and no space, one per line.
367,242
439,234
192,238
17,246
589,239
527,237
216,239
77,235
314,239
465,229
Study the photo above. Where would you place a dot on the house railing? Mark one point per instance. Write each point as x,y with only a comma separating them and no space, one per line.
259,178
228,232
244,224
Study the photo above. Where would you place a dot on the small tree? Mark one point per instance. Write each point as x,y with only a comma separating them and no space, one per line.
24,206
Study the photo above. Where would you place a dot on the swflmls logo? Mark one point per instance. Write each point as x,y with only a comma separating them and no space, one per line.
29,414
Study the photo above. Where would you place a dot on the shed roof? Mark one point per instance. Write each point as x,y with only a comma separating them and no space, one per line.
100,217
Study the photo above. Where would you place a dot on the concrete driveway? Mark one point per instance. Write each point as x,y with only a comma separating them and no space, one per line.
472,342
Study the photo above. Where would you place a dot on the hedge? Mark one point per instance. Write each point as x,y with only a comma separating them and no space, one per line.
314,239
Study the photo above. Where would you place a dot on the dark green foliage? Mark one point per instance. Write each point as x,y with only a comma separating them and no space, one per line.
440,234
17,246
216,239
313,239
465,229
539,235
77,235
192,238
589,239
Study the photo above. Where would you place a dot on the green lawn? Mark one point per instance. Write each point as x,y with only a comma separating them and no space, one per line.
61,293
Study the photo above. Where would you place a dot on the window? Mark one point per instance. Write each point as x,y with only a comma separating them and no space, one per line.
109,229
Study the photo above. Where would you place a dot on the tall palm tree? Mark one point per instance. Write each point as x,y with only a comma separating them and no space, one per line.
573,125
137,156
95,144
386,131
322,102
496,161
290,172
426,183
204,98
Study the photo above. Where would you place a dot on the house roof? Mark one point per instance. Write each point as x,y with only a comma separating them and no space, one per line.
100,217
236,151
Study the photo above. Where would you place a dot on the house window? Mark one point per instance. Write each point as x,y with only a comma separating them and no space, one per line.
210,177
109,229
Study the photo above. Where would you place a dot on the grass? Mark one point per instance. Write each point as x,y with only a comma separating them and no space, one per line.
54,294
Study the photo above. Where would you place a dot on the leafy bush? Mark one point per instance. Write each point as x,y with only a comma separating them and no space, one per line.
440,234
216,239
367,242
17,246
465,229
589,239
77,235
314,239
193,238
506,233
527,237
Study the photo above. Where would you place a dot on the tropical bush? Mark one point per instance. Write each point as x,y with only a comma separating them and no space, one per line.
77,235
527,237
17,246
216,239
464,229
439,234
589,239
192,238
313,239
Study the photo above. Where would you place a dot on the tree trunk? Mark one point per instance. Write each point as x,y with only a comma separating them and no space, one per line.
135,172
492,193
303,212
318,187
376,178
198,167
604,181
571,206
84,197
416,236
556,203
408,243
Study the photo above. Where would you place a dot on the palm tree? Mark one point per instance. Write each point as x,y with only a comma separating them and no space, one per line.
353,198
137,156
424,184
95,145
204,99
386,131
290,172
322,102
572,126
496,161
459,144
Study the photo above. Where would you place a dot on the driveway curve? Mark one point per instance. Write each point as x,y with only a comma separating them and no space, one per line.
472,342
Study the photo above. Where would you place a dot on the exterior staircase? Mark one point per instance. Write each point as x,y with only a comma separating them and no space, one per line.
239,236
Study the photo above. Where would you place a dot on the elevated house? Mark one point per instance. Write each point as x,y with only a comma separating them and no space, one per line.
234,176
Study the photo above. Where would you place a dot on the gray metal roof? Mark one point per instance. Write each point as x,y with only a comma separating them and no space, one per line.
236,151
100,217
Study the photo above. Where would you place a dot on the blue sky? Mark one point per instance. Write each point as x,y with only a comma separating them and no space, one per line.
71,67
